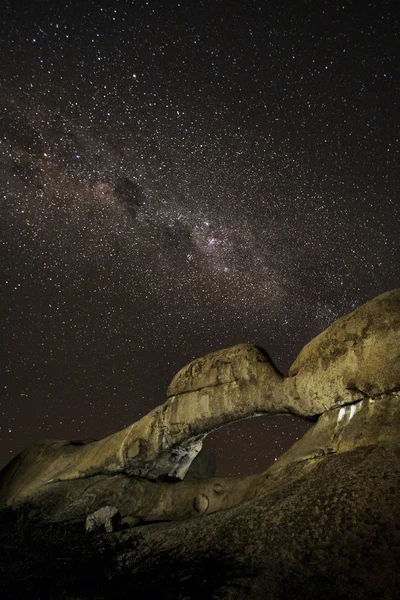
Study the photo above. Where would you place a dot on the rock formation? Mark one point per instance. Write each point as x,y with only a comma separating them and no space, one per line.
330,505
322,522
107,517
357,357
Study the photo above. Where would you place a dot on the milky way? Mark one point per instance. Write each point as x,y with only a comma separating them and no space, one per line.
177,179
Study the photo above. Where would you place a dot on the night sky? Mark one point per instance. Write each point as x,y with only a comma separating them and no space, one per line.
179,177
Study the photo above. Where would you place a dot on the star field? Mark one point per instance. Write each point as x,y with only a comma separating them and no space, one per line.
178,178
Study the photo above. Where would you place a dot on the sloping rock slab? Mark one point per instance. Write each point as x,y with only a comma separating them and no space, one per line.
330,529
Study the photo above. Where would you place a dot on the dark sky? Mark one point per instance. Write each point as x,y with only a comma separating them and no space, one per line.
178,177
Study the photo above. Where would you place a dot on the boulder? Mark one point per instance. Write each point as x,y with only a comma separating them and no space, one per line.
106,517
357,357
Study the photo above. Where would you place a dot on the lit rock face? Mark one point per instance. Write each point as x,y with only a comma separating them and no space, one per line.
106,517
233,384
365,423
139,498
357,358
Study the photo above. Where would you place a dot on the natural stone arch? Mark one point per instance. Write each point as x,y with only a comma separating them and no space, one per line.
357,357
224,386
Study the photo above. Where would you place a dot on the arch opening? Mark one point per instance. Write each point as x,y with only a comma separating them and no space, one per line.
252,445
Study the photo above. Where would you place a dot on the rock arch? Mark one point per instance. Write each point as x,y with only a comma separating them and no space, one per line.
357,357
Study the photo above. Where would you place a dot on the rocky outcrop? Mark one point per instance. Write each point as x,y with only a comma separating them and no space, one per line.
165,441
356,358
323,521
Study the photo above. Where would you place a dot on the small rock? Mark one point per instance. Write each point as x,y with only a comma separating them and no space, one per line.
107,517
218,489
201,503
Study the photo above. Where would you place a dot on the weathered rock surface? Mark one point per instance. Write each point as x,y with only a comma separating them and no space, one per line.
323,521
358,356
